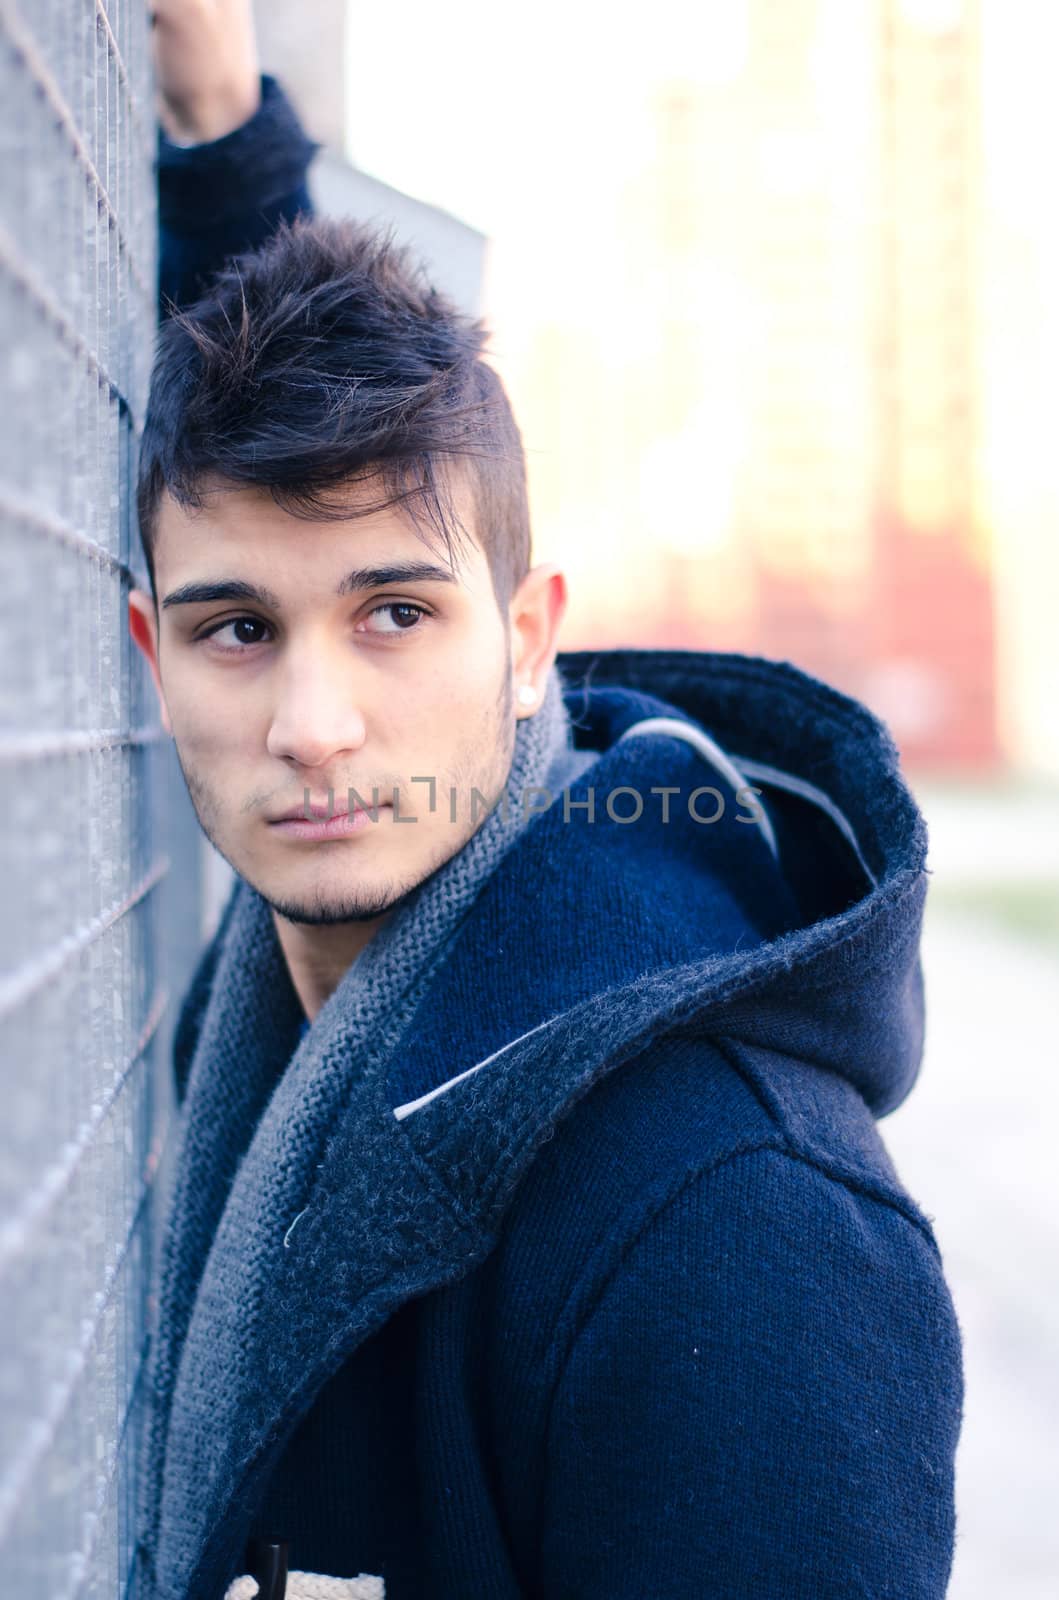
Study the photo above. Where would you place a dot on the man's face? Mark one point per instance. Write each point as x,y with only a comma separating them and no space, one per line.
363,661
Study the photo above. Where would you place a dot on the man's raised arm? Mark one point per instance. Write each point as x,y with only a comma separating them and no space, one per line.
232,154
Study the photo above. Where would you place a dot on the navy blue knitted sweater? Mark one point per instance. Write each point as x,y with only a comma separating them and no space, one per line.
605,1284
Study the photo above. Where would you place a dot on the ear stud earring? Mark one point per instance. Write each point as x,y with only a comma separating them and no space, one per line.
527,694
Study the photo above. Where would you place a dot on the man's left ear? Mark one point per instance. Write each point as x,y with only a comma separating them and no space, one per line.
143,626
535,613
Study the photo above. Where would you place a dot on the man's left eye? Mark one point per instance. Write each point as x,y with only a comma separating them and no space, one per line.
404,617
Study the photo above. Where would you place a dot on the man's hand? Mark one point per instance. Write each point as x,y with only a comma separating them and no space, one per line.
206,66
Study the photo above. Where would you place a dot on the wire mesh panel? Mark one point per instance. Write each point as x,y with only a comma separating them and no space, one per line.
82,855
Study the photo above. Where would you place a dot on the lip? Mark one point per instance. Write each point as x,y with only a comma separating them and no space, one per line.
317,808
341,825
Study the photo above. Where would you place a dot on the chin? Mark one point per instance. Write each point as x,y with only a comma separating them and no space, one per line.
330,901
322,910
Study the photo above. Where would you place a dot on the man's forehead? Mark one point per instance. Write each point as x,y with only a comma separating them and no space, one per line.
237,521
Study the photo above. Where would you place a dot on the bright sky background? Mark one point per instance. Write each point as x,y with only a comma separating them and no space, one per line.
494,108
489,106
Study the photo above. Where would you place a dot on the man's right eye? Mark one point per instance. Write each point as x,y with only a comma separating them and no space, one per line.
236,622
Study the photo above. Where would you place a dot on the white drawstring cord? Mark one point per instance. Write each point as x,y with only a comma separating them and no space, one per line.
710,751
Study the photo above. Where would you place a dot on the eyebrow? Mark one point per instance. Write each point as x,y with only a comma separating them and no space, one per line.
195,594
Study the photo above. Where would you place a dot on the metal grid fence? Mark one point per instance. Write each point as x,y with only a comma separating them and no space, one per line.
83,853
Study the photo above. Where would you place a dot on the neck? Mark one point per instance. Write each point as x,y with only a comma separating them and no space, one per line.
318,957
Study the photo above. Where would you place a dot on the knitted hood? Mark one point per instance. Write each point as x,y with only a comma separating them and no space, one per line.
657,899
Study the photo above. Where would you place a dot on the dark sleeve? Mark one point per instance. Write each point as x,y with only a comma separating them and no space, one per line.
766,1400
218,199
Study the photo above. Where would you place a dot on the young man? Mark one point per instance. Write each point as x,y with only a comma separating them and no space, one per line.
531,1233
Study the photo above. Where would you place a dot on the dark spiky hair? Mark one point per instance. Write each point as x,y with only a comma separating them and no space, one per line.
323,358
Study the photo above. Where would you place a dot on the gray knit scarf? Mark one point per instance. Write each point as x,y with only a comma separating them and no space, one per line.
260,1104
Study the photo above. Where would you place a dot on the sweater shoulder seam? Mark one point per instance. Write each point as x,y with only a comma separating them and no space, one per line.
846,1178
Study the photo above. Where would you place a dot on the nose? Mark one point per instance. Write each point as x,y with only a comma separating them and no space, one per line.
316,715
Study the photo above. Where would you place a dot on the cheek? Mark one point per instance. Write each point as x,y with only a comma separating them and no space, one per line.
209,727
461,703
449,727
465,671
470,670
